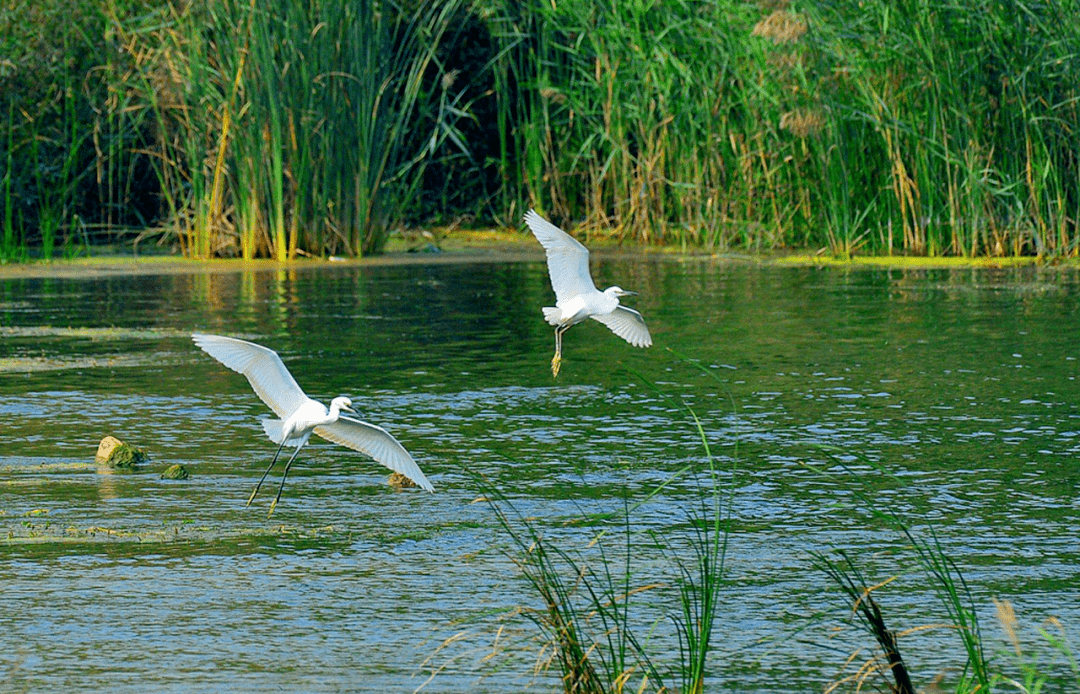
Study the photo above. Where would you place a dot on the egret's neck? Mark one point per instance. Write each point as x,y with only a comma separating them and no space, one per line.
612,296
334,413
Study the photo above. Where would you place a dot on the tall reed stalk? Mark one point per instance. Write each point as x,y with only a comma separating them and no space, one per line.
846,574
917,127
10,246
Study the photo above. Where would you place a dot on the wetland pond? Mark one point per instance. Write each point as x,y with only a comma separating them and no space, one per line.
949,397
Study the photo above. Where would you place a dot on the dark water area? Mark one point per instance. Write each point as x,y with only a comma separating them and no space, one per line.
947,397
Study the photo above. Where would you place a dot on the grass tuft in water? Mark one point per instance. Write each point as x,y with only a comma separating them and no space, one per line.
847,576
1037,670
590,659
585,615
947,581
699,588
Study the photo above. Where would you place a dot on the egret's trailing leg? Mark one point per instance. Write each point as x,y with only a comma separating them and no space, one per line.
263,478
556,361
281,486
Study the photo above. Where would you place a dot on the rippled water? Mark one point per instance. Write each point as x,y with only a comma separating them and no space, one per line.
951,397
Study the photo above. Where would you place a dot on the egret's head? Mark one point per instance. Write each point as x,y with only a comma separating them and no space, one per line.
619,291
343,403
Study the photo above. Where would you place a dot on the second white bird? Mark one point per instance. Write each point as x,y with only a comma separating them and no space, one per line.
577,297
300,415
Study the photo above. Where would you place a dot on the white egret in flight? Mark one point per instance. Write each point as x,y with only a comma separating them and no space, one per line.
577,296
300,415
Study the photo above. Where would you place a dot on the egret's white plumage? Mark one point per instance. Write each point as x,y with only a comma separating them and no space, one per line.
577,297
300,415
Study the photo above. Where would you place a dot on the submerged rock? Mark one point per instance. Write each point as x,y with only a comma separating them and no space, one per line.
114,453
106,447
400,481
175,472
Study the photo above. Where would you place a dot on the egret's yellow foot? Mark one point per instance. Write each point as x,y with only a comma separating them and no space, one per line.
273,505
556,364
252,497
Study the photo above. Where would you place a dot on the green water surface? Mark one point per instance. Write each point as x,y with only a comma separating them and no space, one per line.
959,385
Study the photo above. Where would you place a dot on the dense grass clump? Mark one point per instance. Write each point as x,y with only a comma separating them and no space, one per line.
917,127
231,128
289,129
69,170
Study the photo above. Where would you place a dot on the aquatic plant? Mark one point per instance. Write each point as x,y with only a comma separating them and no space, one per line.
11,247
574,591
1030,676
68,168
571,591
847,576
175,472
126,456
921,127
946,580
1033,675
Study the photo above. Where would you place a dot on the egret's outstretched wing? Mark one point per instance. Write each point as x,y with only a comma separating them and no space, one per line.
263,367
568,260
376,442
627,324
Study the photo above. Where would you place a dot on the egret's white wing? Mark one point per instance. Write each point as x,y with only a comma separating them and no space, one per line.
627,324
568,260
376,442
263,367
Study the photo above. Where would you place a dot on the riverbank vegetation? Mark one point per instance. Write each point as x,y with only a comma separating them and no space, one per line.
238,129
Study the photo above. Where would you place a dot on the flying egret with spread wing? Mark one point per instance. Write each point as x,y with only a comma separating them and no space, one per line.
577,295
300,415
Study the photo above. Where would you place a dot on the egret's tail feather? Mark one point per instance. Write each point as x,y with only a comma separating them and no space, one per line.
272,427
552,315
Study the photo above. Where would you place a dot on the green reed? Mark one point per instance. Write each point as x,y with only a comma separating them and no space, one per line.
855,127
946,580
972,112
11,248
294,129
917,127
1021,670
59,154
585,615
845,573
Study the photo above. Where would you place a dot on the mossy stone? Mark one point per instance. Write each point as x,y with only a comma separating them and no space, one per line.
126,456
105,448
175,472
400,481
